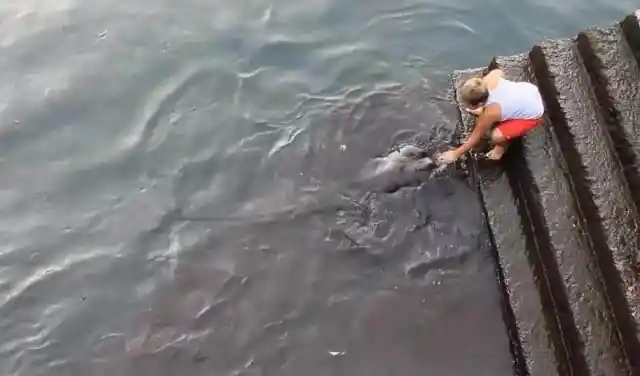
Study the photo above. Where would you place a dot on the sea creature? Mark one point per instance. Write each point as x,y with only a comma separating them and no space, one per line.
405,167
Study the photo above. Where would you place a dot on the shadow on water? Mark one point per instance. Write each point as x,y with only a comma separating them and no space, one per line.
365,283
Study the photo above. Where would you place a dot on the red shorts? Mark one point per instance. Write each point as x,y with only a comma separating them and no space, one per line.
517,127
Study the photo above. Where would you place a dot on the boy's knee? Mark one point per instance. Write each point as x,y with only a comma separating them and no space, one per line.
497,136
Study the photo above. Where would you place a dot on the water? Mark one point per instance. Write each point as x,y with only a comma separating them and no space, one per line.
120,119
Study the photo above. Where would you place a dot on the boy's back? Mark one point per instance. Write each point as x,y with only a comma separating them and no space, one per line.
517,100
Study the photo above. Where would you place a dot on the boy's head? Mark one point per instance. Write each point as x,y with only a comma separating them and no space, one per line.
473,92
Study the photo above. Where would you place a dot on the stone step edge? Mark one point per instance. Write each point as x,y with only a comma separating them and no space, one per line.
525,179
593,225
620,144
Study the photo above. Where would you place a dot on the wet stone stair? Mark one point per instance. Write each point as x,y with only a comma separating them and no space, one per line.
563,207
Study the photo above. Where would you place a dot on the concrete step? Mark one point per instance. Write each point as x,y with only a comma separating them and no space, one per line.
615,78
537,345
563,233
566,197
604,200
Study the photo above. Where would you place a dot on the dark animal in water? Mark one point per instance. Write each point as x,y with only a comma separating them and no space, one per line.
408,166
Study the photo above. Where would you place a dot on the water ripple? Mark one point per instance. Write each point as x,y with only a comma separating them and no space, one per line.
46,274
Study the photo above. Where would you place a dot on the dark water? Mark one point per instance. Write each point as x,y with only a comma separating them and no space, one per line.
117,119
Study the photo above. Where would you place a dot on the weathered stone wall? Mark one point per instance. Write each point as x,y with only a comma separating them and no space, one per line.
563,207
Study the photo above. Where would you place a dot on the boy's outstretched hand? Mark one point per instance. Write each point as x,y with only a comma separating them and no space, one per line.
448,156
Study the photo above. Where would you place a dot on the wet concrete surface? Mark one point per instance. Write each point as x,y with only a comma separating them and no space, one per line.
615,75
575,279
573,182
599,186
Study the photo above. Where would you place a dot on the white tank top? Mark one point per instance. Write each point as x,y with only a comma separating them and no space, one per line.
517,100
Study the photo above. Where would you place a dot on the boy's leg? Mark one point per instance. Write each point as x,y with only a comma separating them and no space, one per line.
500,143
508,130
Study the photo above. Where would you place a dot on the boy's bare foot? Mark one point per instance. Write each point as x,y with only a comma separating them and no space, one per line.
496,153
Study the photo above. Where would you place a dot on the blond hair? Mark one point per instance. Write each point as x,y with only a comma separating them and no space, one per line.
473,92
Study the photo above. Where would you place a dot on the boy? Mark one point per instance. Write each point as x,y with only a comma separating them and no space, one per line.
516,106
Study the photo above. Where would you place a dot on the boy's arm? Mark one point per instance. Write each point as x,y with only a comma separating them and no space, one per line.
489,116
